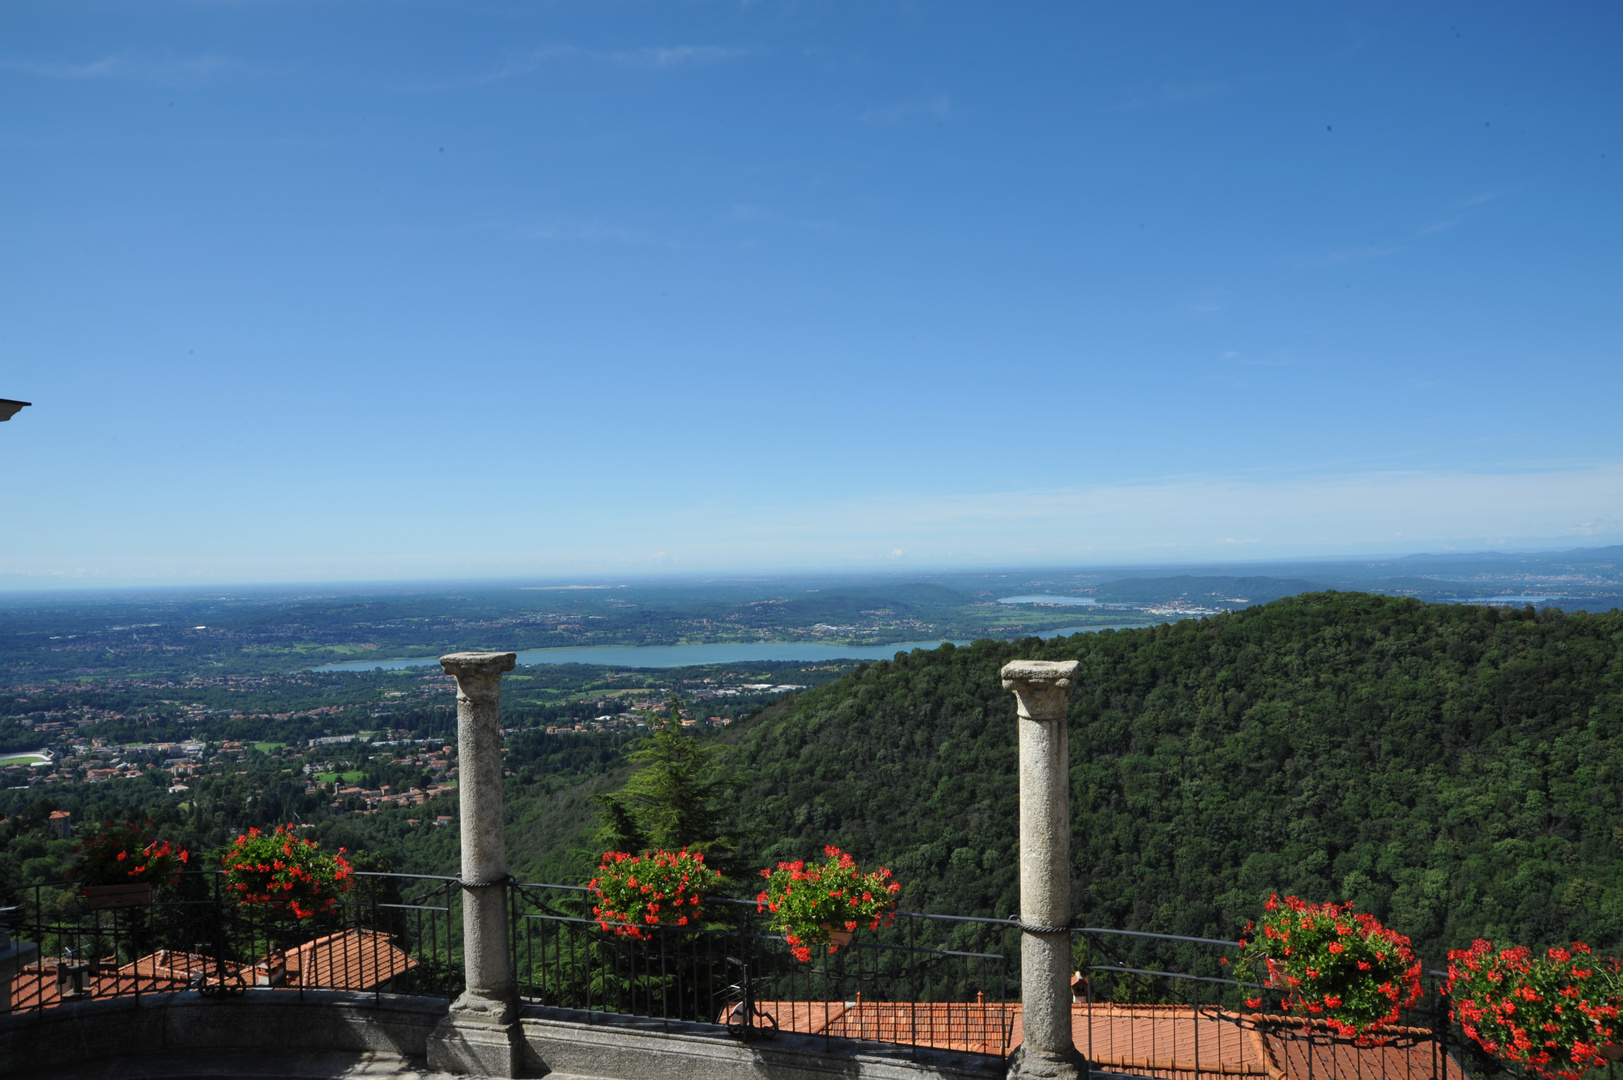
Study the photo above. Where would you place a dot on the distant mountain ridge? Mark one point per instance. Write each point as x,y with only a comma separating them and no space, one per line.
849,602
1226,590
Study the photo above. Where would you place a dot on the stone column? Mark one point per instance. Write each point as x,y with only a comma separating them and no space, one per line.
1042,690
481,1034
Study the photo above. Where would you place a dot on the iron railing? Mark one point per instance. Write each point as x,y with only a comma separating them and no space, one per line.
1169,1006
390,932
925,981
1156,1005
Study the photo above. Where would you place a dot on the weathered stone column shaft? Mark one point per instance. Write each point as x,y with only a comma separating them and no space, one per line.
1042,692
487,958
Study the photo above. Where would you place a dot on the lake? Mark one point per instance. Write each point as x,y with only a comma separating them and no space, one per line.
665,656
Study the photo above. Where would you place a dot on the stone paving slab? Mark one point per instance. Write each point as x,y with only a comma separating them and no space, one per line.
249,1064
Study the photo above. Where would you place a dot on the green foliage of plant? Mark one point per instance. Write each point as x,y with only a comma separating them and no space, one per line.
1550,1013
810,903
124,853
286,873
1334,964
659,888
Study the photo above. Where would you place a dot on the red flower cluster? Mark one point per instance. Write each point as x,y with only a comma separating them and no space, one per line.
124,853
284,870
1551,1013
809,903
1335,965
658,888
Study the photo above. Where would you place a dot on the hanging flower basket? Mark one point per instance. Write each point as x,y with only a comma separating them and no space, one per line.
122,864
1556,1014
286,874
824,904
1333,964
657,888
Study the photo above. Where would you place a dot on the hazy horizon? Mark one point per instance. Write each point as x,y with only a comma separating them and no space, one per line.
20,587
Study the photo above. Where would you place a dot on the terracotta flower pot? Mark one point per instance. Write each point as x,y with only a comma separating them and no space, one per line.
1276,978
134,894
839,937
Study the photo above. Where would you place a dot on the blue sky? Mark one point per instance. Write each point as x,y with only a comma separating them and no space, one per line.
318,291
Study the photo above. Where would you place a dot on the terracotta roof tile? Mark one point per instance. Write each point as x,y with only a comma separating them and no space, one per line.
1168,1042
349,960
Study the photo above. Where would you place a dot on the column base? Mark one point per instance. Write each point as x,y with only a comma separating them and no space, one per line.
480,1042
1045,1065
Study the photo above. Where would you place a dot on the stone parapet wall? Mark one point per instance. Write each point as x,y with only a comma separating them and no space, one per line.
268,1019
554,1041
575,1044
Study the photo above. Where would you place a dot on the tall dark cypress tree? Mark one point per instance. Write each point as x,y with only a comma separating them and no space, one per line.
673,800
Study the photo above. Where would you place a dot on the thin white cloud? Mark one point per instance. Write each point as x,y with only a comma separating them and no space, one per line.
661,57
752,213
1372,250
937,109
650,58
1276,361
1196,517
1478,200
1441,226
1343,256
133,67
588,230
1173,94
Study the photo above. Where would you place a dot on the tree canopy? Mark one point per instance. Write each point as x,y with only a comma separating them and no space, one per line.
1455,770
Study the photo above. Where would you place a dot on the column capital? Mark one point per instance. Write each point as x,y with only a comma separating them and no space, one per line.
478,675
1042,688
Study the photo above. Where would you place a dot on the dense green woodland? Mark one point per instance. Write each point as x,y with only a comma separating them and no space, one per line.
1455,770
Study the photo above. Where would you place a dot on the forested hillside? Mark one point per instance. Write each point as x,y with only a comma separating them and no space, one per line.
1455,770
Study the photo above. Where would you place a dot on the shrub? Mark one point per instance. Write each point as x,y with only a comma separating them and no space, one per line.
656,888
1551,1013
810,903
280,869
1334,964
124,853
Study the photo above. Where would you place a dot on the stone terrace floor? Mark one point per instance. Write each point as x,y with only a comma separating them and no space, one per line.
250,1064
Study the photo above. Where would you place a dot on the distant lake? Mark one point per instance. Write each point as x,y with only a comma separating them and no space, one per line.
1080,601
666,656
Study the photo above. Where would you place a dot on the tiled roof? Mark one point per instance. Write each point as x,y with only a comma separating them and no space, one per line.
976,1028
1169,1042
40,986
350,960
